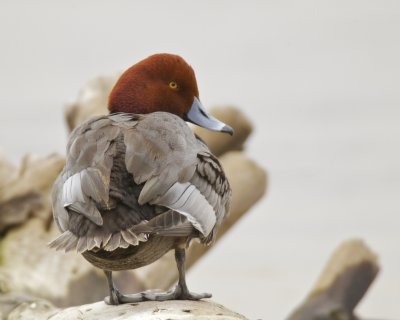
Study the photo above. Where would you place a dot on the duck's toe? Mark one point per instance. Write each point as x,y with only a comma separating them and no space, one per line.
113,298
182,293
174,294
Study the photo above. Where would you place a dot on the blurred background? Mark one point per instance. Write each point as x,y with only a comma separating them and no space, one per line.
320,81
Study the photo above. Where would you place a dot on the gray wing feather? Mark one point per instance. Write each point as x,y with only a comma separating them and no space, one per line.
72,190
188,201
75,198
92,185
60,214
169,223
87,209
212,183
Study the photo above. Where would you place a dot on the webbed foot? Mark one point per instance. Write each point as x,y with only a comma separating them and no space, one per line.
154,295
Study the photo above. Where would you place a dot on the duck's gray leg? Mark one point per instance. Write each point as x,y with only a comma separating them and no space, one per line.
114,297
181,291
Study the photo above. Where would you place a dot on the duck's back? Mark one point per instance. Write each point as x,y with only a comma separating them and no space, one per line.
130,177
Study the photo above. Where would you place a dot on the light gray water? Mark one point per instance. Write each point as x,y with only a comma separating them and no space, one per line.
320,80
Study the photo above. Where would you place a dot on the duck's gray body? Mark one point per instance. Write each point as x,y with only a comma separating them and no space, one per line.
135,187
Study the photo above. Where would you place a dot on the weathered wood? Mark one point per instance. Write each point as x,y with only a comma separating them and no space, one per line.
24,192
92,100
33,309
342,284
18,307
8,172
29,266
150,311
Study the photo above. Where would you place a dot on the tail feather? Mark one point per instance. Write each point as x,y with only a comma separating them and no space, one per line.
82,244
90,243
130,237
113,243
72,245
66,241
169,223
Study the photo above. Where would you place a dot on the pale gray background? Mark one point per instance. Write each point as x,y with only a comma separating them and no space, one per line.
320,80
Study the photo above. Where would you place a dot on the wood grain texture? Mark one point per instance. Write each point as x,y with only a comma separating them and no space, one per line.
344,281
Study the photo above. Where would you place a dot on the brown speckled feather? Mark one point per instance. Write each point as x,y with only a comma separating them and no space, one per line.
129,176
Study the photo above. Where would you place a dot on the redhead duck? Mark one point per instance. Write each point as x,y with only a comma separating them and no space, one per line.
137,182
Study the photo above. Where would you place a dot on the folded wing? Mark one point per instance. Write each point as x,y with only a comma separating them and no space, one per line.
129,176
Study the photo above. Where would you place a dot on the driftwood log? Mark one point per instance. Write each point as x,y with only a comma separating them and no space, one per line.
342,284
28,308
30,272
24,192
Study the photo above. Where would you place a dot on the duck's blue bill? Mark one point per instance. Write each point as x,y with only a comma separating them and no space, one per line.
198,115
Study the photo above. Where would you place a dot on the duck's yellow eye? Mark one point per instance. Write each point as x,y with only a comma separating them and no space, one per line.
173,85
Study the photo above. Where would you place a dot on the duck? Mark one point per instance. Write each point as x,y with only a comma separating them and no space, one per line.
138,182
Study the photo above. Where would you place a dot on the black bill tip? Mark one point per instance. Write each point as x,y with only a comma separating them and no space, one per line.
227,129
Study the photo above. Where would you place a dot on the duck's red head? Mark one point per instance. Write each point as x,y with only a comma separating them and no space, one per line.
162,82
